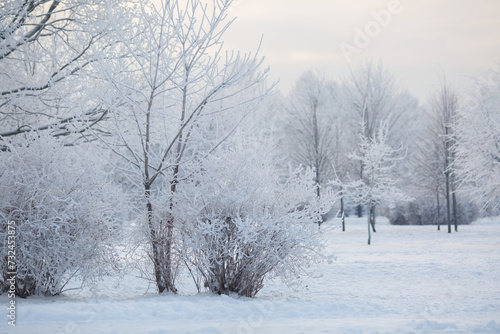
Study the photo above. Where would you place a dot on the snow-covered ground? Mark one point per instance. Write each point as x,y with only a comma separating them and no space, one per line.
412,279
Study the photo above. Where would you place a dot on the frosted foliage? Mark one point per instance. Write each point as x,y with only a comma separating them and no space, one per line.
241,222
44,62
378,184
478,142
62,213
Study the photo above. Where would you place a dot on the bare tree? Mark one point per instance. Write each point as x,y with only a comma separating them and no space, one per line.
373,98
433,178
427,163
344,142
309,131
164,100
445,107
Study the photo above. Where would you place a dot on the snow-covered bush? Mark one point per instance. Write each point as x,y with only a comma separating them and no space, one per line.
242,222
62,210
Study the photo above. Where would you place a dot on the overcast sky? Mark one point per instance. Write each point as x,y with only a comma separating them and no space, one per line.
419,40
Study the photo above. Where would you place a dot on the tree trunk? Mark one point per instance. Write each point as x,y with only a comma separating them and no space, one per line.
155,242
455,219
169,268
448,213
169,276
359,210
447,174
372,217
342,209
161,250
369,231
438,211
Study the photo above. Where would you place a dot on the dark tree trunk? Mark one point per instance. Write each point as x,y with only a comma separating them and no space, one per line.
448,211
359,210
455,219
155,242
369,231
371,222
169,269
447,174
161,250
372,217
342,215
438,211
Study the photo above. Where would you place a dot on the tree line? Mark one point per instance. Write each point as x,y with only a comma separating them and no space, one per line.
371,140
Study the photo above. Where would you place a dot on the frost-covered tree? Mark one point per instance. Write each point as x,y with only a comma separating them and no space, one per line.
433,181
44,48
316,133
378,184
62,211
373,98
341,164
429,170
309,133
445,107
428,165
166,98
478,142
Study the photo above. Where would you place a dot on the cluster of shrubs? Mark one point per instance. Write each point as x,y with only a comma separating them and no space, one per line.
425,211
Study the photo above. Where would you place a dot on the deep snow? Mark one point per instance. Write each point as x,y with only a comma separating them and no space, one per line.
412,279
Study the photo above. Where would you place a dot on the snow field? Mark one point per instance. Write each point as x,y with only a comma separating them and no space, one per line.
412,279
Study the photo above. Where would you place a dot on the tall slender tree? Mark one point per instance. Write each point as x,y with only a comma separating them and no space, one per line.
373,98
164,98
309,131
445,107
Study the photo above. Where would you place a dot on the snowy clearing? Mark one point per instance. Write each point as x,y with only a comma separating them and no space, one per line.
412,279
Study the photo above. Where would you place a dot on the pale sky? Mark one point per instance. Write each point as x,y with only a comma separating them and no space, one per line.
421,39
